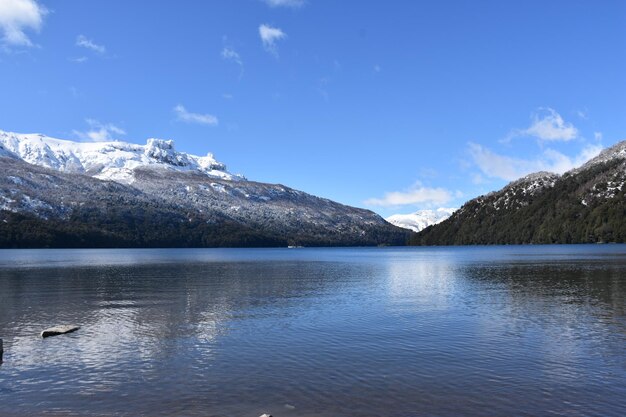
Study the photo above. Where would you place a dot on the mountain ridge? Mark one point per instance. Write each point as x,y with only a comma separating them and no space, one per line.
119,194
113,160
584,205
421,219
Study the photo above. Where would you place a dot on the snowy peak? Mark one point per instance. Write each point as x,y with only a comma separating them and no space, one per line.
162,151
421,219
534,182
617,151
518,193
114,161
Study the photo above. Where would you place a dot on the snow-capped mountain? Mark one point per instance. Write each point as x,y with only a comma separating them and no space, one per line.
114,161
521,192
421,219
584,205
617,151
60,193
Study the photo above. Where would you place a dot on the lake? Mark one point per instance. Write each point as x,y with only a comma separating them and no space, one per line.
459,331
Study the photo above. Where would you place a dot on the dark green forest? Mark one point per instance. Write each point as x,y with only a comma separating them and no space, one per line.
138,227
555,215
44,208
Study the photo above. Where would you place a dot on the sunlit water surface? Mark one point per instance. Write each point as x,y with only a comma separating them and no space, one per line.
481,331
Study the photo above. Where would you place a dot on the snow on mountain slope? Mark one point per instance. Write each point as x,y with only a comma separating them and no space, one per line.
617,151
114,161
420,219
43,207
520,192
583,205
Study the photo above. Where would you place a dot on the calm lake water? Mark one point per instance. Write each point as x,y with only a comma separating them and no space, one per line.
480,331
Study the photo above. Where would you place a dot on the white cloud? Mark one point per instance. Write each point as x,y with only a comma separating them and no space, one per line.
509,168
84,42
269,36
75,92
547,125
229,54
477,179
417,194
99,132
17,16
597,136
79,60
322,87
185,116
285,3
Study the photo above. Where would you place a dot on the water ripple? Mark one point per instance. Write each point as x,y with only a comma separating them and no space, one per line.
350,332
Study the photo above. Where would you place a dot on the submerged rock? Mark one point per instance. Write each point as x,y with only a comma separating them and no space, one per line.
57,330
266,415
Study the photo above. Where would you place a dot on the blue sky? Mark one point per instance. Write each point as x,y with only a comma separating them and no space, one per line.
393,106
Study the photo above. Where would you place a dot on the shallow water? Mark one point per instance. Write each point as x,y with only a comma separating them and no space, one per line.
473,331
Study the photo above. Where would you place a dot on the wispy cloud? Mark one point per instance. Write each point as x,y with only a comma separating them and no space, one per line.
85,42
269,36
99,132
188,117
417,194
582,114
322,87
79,59
17,16
285,3
229,54
547,125
510,168
75,92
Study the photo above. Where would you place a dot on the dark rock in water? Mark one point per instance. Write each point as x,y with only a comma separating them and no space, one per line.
57,330
1,351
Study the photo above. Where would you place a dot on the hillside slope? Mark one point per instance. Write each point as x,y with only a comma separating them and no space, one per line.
62,194
585,205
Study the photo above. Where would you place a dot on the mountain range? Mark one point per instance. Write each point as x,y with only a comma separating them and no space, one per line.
60,193
584,205
421,219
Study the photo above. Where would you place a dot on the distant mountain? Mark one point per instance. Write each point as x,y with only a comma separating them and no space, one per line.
114,161
421,219
59,193
585,205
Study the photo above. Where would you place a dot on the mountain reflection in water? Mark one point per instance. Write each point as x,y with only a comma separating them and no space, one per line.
476,331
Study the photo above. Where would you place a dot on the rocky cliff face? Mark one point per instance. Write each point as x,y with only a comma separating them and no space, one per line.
114,161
